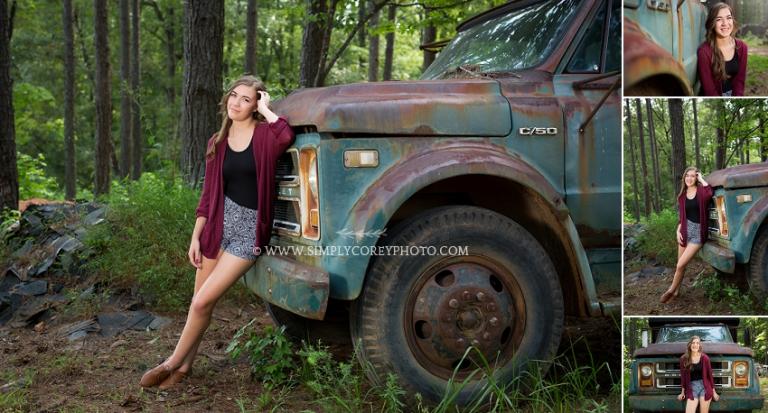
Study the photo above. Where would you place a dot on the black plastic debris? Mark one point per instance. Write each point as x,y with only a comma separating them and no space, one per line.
115,323
80,329
38,287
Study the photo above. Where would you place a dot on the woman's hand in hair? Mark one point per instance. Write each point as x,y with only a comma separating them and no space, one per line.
701,179
262,105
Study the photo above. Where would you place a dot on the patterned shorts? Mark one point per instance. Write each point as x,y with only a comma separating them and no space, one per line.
697,387
239,230
694,232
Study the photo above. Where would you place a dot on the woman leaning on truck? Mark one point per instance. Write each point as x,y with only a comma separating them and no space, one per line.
234,214
697,382
722,58
692,201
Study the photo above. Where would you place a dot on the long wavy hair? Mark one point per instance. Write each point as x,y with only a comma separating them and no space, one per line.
687,355
718,61
226,122
682,180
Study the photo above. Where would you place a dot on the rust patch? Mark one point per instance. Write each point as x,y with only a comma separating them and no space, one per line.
643,59
742,176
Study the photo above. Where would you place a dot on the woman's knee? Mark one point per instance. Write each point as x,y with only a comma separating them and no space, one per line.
201,305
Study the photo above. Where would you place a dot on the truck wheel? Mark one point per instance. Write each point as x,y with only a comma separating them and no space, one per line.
418,314
758,265
333,330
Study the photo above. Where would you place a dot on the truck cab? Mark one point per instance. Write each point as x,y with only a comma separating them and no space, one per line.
738,224
655,370
474,208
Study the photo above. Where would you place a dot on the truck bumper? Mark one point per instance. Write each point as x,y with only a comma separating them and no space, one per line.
669,402
720,257
289,284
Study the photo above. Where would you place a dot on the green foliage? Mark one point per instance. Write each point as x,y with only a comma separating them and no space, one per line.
145,240
33,183
269,353
657,240
717,290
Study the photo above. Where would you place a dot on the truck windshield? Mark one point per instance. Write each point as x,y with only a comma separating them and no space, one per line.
683,334
520,39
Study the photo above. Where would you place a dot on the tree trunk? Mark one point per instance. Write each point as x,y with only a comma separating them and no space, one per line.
203,55
138,138
9,175
720,137
170,63
373,48
429,35
646,190
125,96
250,37
633,165
103,98
311,45
361,33
389,50
696,134
654,158
678,138
763,138
70,187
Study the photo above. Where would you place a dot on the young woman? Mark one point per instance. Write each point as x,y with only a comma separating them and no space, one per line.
692,229
698,385
234,216
722,58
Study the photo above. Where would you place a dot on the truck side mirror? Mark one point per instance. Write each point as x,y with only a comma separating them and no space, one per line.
644,335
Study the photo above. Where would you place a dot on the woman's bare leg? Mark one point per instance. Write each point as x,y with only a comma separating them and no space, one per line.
201,275
690,405
687,255
704,405
226,272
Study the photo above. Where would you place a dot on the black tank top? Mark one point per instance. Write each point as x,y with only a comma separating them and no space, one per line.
240,177
731,70
696,371
692,209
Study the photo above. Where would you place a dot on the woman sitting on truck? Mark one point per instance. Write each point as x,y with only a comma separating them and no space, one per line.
722,58
697,382
234,213
692,229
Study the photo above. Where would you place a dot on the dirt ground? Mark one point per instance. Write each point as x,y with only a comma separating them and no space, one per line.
102,374
642,294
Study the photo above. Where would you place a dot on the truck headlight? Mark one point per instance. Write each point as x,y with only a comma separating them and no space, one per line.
741,374
310,196
722,218
646,375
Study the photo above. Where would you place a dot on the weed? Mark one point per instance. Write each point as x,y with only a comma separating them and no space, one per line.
269,354
657,240
84,305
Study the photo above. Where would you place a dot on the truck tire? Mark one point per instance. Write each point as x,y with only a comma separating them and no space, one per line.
758,265
417,314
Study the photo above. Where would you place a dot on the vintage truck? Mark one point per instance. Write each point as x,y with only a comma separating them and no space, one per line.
476,207
655,370
661,38
738,224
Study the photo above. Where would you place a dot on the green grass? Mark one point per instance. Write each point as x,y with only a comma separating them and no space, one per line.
718,290
145,239
341,386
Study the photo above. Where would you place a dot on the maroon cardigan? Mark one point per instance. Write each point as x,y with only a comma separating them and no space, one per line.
706,376
711,87
703,194
270,140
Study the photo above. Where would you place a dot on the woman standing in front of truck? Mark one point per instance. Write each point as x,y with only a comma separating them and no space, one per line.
722,58
234,214
692,229
696,379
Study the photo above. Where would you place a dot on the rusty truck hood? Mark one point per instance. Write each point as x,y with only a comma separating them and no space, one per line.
677,349
457,107
742,176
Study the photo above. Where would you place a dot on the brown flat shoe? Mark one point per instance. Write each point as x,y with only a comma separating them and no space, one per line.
175,378
667,296
155,376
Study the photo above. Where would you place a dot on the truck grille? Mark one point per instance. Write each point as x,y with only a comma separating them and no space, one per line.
668,374
287,216
714,223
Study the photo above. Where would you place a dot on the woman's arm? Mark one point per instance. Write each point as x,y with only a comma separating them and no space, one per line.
705,71
679,235
701,180
262,105
741,77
